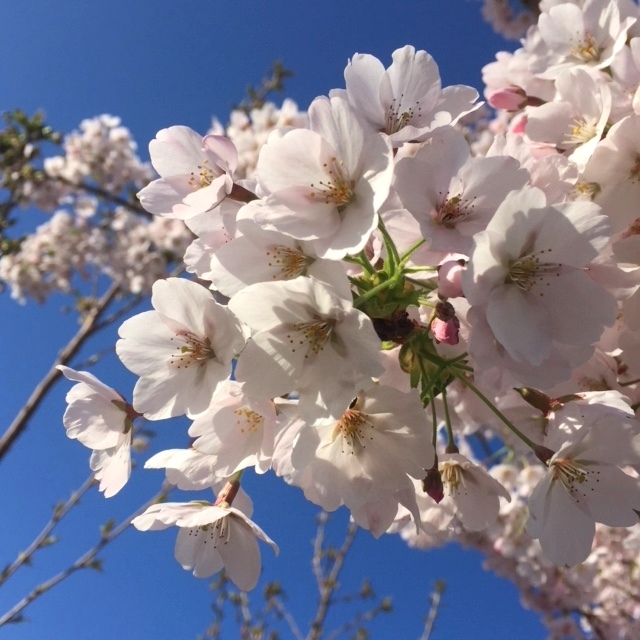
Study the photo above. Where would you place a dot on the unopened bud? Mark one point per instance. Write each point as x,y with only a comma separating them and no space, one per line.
432,484
445,325
509,98
543,454
537,399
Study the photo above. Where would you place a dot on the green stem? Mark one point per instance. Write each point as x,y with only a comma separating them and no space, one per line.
407,254
447,421
375,290
392,253
362,260
467,383
434,419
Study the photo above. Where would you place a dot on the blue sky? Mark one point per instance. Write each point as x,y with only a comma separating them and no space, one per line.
156,64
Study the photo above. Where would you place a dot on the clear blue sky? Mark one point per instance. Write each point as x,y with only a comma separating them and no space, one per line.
156,64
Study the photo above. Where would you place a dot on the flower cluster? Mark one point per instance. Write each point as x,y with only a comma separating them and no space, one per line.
384,299
92,229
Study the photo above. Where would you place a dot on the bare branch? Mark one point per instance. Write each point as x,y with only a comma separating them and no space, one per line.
436,597
317,549
43,539
88,328
105,195
367,616
279,606
87,560
329,584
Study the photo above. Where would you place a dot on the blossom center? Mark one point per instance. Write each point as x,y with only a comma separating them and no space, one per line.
215,532
352,429
203,177
289,262
451,211
400,115
313,334
337,189
452,476
248,420
580,132
529,270
587,50
193,351
586,190
577,480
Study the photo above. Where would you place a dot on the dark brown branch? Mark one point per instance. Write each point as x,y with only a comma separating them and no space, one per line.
87,329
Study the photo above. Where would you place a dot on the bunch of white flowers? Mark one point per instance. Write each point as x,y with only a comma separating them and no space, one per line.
378,291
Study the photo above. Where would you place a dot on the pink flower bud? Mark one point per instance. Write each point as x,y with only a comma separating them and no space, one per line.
445,326
510,98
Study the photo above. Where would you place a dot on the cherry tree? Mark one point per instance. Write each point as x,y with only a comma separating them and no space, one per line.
360,296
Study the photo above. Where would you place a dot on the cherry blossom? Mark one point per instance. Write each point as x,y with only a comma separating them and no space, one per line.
327,183
306,337
237,429
471,491
575,122
589,35
405,101
369,452
196,173
527,276
452,195
211,537
186,469
585,485
386,271
264,256
182,351
102,420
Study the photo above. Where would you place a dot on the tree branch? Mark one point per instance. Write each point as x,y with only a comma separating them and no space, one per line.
87,560
42,539
328,584
89,326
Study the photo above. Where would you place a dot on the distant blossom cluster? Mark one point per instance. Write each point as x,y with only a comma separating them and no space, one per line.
85,235
385,302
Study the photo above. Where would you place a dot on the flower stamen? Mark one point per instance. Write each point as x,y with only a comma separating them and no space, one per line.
351,429
205,176
338,189
399,116
314,334
580,132
248,420
529,270
587,50
195,350
291,263
451,211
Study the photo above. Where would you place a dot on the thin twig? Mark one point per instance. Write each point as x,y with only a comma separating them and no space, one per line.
85,561
317,550
87,329
367,616
279,606
61,510
436,597
105,195
329,584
